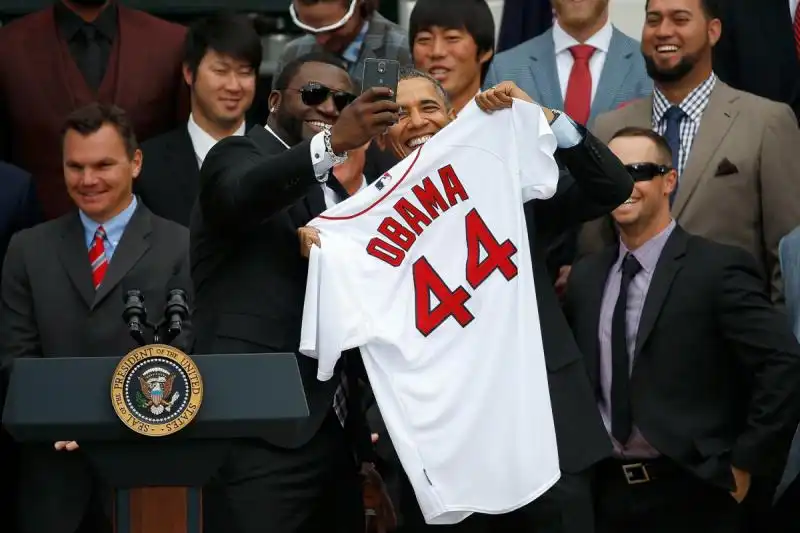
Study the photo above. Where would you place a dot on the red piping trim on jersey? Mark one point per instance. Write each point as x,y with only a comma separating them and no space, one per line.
387,193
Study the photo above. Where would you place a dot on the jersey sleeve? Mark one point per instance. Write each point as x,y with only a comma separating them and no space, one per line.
534,144
333,320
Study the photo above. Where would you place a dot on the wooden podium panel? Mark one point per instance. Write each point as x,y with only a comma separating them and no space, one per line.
158,510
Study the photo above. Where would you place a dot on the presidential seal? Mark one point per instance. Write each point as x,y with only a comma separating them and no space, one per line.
156,390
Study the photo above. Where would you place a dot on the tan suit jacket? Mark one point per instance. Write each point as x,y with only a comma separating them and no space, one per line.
751,203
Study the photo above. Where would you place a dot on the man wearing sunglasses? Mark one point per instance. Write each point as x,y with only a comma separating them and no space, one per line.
352,30
255,191
696,375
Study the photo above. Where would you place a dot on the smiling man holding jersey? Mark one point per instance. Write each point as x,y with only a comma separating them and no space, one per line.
600,184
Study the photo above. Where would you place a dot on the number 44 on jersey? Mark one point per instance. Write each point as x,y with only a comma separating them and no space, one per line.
452,303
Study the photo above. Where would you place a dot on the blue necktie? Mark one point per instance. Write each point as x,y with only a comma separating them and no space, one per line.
672,134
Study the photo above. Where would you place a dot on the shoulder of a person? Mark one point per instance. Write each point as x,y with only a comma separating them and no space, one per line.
511,58
297,47
712,255
161,142
22,26
13,178
151,23
44,232
172,231
606,124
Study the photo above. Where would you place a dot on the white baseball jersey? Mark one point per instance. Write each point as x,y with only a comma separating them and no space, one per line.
428,271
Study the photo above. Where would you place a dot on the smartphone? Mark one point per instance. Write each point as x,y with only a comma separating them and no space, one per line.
380,73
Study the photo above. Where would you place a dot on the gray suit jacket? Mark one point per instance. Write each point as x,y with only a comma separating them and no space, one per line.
532,66
742,179
49,308
384,39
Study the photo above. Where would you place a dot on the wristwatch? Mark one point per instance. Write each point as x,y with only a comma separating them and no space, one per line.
556,113
337,159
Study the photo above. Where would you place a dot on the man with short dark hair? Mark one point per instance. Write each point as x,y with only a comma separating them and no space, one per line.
75,52
62,296
696,374
256,190
351,30
222,55
453,41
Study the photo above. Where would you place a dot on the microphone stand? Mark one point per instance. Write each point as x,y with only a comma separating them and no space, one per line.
164,332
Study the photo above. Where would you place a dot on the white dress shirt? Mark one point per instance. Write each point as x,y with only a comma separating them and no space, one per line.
793,7
563,41
202,141
319,156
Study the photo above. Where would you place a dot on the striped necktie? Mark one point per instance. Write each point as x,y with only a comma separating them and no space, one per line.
97,257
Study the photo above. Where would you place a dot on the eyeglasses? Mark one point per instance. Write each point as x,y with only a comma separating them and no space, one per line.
646,171
331,27
313,94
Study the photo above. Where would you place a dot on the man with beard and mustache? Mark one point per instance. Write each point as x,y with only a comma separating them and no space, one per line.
598,183
738,173
255,191
73,53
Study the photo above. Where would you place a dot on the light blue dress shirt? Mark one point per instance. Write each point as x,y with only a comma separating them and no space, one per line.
114,228
566,132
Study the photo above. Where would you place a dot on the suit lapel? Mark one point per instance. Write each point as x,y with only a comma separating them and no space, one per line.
593,302
74,255
667,267
714,126
545,72
615,69
133,245
132,66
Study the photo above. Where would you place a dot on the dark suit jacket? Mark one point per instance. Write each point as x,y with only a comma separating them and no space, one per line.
523,20
595,182
249,276
756,51
40,84
51,309
19,207
716,375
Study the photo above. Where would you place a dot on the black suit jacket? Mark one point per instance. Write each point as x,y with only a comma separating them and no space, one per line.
170,176
756,51
249,276
51,309
594,183
716,376
19,207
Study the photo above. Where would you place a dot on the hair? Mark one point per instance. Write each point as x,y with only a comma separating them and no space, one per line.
366,8
710,8
90,118
661,143
474,16
225,33
289,71
409,73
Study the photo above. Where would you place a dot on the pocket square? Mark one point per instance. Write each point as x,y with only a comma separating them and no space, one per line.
725,168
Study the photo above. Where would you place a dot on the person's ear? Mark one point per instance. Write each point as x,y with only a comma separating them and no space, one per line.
274,101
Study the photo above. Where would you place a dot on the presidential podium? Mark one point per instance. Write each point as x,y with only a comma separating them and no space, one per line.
157,478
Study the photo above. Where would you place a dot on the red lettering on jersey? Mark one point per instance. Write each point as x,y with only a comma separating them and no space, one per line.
430,198
391,255
452,185
413,217
397,233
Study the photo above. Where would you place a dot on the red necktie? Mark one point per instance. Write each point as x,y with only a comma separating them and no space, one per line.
578,101
97,257
796,28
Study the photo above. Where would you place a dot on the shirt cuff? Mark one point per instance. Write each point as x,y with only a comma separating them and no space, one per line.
566,132
319,155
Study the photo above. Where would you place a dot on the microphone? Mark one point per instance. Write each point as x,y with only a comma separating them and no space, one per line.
135,315
176,312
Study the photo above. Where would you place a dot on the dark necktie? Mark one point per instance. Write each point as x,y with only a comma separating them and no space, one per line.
92,61
621,419
672,134
333,184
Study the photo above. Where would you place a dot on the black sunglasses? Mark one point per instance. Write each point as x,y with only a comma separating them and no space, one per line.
646,171
313,94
